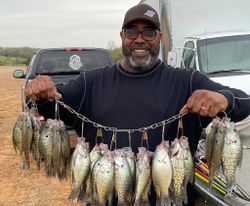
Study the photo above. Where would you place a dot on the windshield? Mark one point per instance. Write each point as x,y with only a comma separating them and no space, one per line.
224,54
64,61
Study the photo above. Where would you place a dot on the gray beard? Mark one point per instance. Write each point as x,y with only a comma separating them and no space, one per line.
140,63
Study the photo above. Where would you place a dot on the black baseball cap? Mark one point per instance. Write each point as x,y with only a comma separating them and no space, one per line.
141,12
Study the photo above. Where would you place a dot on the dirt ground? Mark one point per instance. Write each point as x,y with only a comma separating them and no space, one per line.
19,187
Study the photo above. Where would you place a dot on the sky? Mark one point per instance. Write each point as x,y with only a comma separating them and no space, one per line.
62,23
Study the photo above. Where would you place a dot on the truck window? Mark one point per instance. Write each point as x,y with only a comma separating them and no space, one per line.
52,62
224,53
188,56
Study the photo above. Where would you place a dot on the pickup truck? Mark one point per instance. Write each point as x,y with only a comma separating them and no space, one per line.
63,64
212,37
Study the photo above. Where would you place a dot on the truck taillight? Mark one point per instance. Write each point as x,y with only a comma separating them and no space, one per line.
74,49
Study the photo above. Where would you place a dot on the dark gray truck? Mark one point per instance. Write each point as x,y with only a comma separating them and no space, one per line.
63,64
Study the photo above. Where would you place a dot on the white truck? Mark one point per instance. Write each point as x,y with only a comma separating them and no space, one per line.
209,36
213,37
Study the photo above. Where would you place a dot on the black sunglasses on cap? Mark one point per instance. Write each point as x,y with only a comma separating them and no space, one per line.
147,34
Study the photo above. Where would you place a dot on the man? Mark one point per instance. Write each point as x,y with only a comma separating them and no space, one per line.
140,91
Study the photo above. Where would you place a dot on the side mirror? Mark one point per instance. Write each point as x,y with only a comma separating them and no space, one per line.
19,73
172,57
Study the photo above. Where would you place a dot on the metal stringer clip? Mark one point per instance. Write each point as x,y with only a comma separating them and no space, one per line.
57,115
99,134
113,140
180,128
144,137
82,131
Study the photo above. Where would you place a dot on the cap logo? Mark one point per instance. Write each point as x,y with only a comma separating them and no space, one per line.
149,13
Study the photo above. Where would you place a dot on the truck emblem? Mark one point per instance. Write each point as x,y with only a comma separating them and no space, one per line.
75,62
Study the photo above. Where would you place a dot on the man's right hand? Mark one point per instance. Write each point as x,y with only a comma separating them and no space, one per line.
42,87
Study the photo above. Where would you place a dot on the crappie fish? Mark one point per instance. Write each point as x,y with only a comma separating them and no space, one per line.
80,168
56,152
216,156
188,164
22,138
162,172
60,149
232,155
103,148
123,178
27,133
65,151
178,172
143,176
37,123
144,198
45,147
94,174
17,142
95,154
35,148
65,142
130,156
105,179
210,134
17,135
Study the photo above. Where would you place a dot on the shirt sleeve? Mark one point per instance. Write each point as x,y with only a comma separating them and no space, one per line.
239,101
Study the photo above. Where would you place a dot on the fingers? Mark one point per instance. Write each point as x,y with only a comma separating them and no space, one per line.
206,103
184,110
42,87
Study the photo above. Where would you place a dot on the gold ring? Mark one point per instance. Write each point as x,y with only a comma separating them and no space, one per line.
204,108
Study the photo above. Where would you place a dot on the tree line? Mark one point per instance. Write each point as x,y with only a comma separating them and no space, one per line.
21,56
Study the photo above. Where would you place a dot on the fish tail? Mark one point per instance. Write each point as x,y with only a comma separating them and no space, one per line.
121,202
185,199
74,195
110,200
49,171
38,163
145,204
137,202
24,165
177,202
165,202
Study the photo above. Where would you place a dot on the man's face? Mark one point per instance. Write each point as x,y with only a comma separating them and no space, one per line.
140,45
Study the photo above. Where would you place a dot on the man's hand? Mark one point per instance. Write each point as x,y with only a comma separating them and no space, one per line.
205,103
42,87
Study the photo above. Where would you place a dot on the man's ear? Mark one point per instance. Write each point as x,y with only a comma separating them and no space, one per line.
160,34
121,34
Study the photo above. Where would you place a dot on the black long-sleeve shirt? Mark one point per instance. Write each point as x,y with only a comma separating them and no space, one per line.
115,98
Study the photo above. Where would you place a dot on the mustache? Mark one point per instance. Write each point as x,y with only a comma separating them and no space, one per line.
133,47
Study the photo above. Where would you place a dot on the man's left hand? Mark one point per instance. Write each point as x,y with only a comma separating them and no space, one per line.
205,103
